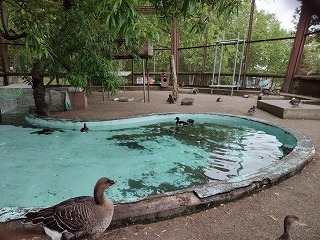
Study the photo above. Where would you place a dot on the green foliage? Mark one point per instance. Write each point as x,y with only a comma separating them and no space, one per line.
269,56
169,9
81,42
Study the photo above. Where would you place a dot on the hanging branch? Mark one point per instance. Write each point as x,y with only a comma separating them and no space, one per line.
5,33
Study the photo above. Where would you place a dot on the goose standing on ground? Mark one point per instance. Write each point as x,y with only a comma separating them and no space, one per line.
77,217
290,221
180,123
85,128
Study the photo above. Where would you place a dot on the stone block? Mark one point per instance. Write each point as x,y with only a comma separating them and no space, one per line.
187,101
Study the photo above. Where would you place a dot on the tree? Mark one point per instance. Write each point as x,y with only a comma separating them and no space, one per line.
80,38
75,38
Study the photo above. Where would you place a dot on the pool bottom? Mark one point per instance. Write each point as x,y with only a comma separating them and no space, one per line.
209,195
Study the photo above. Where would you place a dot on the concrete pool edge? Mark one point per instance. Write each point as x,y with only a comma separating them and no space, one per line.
187,201
181,203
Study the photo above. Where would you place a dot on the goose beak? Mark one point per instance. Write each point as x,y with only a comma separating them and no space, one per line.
301,224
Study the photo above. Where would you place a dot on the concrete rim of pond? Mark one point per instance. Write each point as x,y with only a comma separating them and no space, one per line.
182,202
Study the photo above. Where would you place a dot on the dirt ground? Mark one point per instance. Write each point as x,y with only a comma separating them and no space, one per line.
259,216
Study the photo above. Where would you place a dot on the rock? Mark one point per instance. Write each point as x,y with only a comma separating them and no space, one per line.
187,101
123,99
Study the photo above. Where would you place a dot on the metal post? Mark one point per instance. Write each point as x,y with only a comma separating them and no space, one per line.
241,61
204,59
154,65
214,64
132,70
235,65
143,80
148,84
214,61
221,55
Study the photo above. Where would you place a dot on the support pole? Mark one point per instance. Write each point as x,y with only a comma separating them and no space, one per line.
144,81
241,61
297,47
246,57
221,57
204,59
214,64
148,84
132,70
235,64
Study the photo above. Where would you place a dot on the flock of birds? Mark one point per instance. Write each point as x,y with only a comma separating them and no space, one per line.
294,102
87,216
183,123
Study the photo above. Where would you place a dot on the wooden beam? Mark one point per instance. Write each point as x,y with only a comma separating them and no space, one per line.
297,47
247,53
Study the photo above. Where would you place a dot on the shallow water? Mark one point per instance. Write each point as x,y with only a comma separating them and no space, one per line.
40,167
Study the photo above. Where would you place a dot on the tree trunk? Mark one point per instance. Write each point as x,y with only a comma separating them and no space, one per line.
39,91
15,79
175,91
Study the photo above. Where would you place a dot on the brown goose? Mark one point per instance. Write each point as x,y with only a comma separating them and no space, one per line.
77,217
290,221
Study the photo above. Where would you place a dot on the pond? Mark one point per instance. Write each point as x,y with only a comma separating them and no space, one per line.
43,165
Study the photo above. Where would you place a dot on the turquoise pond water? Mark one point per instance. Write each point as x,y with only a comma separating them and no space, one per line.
158,157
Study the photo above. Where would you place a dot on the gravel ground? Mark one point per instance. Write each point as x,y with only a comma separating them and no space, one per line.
259,216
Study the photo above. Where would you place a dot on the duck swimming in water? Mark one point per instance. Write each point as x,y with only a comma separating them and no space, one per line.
290,221
190,121
45,131
85,128
180,123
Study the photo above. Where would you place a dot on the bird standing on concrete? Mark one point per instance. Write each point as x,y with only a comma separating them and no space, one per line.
219,99
77,217
295,102
252,110
290,221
